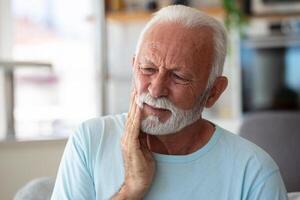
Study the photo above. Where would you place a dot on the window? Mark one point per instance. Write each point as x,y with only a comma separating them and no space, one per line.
50,102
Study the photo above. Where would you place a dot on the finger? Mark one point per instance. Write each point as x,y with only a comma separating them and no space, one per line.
135,129
136,122
132,99
131,117
131,102
130,114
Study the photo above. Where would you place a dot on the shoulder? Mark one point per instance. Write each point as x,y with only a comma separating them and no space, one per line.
97,127
251,163
96,135
247,152
90,134
100,122
86,146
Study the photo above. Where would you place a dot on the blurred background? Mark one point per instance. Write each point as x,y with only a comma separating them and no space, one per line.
63,62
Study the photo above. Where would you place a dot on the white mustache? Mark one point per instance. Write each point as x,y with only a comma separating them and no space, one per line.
162,103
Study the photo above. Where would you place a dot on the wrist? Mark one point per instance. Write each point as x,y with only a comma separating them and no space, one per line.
127,194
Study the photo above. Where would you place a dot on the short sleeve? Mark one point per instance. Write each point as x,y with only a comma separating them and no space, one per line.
74,180
270,188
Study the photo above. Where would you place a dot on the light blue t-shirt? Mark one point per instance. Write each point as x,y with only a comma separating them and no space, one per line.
226,168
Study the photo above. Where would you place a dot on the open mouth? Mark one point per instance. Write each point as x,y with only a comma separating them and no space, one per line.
154,110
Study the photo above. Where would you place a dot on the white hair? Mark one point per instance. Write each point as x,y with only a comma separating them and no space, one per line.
193,18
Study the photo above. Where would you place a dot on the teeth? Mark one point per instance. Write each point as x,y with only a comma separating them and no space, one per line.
161,108
154,106
140,102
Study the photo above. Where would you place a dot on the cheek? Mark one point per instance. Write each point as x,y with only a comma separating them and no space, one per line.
140,83
184,97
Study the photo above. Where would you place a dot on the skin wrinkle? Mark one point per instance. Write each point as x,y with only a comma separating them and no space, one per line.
154,46
173,66
167,46
198,45
171,46
190,87
161,67
155,57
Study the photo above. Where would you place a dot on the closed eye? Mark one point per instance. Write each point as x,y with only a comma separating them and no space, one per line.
179,79
148,70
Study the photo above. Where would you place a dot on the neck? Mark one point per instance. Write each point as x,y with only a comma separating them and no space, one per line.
186,141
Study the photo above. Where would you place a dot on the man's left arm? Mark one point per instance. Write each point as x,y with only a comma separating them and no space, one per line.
270,188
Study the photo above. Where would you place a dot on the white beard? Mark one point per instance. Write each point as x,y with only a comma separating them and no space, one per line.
178,120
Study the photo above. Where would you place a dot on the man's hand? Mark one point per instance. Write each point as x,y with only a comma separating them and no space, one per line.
138,159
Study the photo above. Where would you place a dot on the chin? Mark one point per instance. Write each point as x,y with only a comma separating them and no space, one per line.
152,126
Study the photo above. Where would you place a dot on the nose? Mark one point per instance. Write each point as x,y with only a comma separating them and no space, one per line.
158,86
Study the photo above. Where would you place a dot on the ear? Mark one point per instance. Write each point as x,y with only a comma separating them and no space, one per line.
218,88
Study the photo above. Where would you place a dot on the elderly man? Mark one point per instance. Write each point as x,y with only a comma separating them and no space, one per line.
163,149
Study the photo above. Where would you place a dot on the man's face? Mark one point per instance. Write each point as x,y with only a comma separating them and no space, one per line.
173,64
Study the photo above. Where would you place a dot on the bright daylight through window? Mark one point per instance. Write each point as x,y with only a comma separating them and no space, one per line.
50,102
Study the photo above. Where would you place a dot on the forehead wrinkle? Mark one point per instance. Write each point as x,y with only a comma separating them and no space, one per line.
158,61
150,55
168,42
179,60
172,56
195,53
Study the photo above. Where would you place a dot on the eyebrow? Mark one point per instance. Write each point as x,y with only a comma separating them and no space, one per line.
147,60
184,72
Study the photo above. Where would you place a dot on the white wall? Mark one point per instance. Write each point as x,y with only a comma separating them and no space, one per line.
2,111
203,3
21,162
196,3
5,52
5,29
122,39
